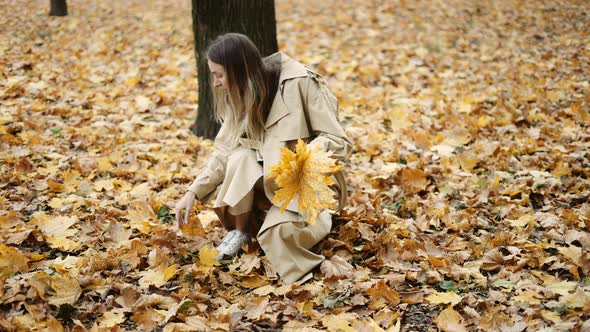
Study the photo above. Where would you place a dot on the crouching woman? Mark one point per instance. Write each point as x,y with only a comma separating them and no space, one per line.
265,104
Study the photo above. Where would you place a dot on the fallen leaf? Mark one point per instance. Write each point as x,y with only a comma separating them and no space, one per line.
208,256
340,322
337,266
111,319
158,276
492,260
382,290
449,320
65,291
413,180
446,297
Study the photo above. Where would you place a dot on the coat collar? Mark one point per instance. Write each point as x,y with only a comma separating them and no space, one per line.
289,69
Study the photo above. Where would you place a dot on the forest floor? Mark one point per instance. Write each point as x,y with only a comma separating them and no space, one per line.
469,181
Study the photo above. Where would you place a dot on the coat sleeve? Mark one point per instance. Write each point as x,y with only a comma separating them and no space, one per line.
212,174
322,113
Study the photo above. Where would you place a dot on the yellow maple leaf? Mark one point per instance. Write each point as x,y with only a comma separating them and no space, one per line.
158,276
306,172
12,260
55,203
141,216
10,220
25,322
104,164
71,180
443,297
59,242
111,319
340,322
57,230
65,290
55,186
208,256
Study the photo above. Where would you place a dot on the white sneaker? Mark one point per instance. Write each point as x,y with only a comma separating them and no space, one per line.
225,240
232,246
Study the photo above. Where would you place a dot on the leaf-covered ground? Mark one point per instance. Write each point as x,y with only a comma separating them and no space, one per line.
469,181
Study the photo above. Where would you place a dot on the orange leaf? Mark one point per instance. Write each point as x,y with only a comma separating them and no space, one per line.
384,291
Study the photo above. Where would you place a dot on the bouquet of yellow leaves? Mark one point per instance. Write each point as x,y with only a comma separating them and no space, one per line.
307,172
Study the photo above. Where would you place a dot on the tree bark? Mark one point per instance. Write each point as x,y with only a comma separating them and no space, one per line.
254,18
58,8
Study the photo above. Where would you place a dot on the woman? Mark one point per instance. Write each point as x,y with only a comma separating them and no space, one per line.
263,105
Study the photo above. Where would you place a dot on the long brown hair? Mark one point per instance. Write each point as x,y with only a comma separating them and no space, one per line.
251,85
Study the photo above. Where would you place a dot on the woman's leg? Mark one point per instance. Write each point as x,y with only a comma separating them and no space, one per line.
255,203
287,244
236,195
231,222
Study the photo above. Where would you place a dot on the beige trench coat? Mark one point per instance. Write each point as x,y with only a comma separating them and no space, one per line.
302,108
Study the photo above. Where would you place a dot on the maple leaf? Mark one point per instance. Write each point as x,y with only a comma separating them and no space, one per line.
111,318
65,290
450,320
444,297
147,319
193,227
196,323
307,173
57,230
339,322
257,307
414,180
12,260
118,233
337,266
10,220
384,291
158,276
141,216
208,256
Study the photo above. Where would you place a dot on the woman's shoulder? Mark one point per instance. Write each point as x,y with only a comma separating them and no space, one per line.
288,67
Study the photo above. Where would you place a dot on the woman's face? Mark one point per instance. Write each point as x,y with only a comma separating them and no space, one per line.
219,75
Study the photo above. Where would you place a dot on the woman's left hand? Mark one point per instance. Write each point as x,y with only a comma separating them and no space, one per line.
185,203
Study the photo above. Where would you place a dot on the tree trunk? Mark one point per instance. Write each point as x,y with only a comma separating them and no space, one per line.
58,8
254,18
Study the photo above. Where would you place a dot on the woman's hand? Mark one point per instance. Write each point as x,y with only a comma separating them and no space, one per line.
185,203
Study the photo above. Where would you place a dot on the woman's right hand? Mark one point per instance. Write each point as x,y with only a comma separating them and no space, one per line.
185,203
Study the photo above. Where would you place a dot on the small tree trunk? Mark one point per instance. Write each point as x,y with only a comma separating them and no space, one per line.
254,18
58,8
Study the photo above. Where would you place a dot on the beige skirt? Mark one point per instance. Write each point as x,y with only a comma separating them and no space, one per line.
285,238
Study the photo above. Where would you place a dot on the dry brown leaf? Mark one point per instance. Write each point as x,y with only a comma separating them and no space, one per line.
381,289
413,180
493,260
65,291
148,319
256,307
12,260
450,320
337,266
